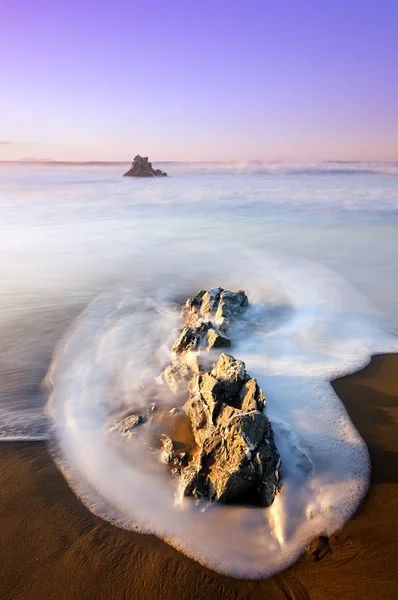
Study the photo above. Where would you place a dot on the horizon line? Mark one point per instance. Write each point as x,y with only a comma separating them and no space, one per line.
50,161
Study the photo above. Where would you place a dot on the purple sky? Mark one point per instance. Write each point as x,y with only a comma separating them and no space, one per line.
199,80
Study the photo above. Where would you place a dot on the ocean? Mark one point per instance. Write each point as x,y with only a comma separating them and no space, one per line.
93,266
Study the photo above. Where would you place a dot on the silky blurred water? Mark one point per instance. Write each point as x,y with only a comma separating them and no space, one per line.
91,265
69,232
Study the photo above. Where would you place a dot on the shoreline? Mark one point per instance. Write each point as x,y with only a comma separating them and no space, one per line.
51,546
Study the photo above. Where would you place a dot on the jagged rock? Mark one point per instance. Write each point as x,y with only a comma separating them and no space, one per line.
237,452
226,306
190,338
195,301
217,339
177,375
251,396
228,449
230,307
210,300
191,309
192,483
141,167
230,371
187,340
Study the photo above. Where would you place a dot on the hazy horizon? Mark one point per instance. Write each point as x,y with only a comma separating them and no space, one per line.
47,161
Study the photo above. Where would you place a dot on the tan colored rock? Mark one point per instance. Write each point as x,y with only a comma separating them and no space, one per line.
187,340
210,301
252,396
231,371
190,337
235,439
217,339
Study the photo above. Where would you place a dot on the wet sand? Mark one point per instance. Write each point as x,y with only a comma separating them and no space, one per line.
52,547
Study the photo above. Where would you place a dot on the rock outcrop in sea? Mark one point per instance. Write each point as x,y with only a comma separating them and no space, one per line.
232,456
141,167
236,453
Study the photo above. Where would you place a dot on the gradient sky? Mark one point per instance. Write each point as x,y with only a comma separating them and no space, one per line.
199,80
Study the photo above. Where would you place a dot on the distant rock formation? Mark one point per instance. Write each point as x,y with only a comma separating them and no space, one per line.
141,167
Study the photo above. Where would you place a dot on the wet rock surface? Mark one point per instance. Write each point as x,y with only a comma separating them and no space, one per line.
235,451
224,306
141,167
229,453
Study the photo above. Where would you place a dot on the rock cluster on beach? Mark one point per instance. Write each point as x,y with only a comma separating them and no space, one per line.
141,167
232,454
236,452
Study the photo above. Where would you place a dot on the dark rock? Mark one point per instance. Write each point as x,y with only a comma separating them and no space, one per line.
141,167
192,483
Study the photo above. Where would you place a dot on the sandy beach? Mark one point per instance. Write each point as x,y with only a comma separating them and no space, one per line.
51,546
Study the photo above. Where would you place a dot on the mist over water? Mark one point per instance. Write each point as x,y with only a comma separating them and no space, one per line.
93,266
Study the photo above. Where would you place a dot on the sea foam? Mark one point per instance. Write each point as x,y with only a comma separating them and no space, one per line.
305,326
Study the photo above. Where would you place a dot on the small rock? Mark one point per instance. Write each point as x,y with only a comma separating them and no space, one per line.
129,423
217,339
141,167
189,338
319,547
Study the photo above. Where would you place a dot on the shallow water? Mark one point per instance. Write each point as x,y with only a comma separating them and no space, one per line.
91,265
